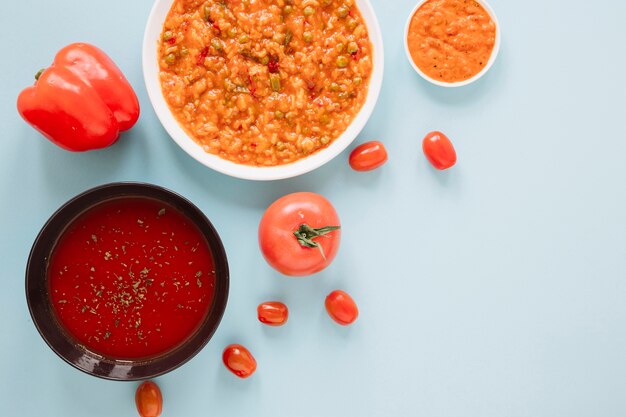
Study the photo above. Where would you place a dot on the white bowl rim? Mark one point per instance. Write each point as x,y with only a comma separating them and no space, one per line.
492,58
150,72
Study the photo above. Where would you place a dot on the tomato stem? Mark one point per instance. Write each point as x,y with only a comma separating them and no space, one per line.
305,235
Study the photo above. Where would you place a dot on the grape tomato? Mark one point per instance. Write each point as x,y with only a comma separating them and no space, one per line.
239,360
439,150
273,313
341,307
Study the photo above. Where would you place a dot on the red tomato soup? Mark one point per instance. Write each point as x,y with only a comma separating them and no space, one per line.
131,278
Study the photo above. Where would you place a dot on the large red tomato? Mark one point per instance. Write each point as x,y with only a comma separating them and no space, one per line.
299,234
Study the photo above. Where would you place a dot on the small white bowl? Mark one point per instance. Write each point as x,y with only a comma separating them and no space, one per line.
152,35
492,58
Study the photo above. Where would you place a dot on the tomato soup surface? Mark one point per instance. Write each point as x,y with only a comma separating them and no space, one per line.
131,278
451,40
265,82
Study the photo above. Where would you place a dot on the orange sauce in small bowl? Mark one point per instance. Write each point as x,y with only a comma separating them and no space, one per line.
451,41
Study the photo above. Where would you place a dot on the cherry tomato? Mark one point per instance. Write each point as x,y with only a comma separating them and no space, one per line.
149,400
439,150
299,234
273,313
239,361
341,307
368,156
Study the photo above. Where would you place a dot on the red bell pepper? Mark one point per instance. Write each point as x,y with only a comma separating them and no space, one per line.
82,101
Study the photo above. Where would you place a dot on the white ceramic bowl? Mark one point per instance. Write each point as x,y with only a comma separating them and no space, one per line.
492,58
151,72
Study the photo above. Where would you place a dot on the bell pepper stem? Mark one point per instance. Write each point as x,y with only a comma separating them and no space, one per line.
39,74
305,235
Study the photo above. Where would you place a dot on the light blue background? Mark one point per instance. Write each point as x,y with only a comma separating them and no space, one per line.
495,289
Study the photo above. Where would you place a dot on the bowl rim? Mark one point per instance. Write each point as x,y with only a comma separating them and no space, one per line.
486,68
302,166
63,344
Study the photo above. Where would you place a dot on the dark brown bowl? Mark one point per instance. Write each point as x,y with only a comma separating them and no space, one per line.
70,350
